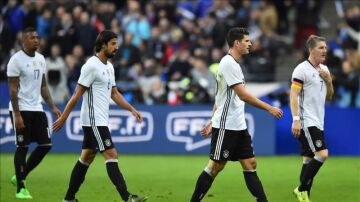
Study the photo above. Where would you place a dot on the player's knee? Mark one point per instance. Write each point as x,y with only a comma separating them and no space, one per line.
110,154
216,168
322,157
88,158
249,164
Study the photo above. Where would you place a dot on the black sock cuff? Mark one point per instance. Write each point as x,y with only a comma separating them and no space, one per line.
205,174
249,172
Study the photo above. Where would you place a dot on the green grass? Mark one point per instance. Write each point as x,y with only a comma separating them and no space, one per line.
172,179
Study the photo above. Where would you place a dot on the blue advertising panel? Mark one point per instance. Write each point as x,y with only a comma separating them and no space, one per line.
341,133
165,130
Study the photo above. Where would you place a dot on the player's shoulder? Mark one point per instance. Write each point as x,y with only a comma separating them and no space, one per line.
39,55
17,55
226,62
302,66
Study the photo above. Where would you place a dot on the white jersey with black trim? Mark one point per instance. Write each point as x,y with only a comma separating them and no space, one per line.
30,70
312,95
230,112
99,79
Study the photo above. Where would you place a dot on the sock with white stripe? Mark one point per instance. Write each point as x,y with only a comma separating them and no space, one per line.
117,178
20,166
36,157
76,179
309,174
203,185
254,185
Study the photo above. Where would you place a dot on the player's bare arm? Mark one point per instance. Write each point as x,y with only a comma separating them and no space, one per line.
294,106
207,128
247,97
45,94
13,91
329,86
79,91
119,100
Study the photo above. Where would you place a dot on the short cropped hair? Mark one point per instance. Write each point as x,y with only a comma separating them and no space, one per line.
28,30
313,40
103,38
235,33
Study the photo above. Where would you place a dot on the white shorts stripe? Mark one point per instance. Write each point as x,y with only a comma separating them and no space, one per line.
308,137
219,144
98,138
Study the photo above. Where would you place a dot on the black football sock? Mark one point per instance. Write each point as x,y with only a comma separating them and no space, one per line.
254,185
20,166
35,157
77,178
117,178
304,165
309,174
203,185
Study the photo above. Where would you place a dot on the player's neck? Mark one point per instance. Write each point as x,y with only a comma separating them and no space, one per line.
102,57
28,52
314,62
235,55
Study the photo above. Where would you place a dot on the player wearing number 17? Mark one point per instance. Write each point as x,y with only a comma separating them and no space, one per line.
27,84
311,86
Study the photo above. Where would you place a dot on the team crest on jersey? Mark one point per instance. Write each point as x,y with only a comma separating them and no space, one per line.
20,138
318,143
226,154
34,64
107,142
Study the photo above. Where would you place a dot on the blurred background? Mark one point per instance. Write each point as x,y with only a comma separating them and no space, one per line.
169,53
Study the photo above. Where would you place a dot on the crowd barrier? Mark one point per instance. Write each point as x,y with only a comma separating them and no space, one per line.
175,130
165,130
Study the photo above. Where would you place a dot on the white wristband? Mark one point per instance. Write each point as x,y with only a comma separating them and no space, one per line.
296,118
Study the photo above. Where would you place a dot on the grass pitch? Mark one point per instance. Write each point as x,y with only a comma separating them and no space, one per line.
172,179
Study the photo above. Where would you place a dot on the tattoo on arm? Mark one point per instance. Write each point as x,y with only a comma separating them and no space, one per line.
13,91
46,94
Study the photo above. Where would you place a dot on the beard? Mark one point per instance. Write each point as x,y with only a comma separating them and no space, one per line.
110,54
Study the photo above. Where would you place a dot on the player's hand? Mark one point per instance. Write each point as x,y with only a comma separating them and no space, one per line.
58,124
325,75
206,130
56,111
137,114
276,112
296,128
19,123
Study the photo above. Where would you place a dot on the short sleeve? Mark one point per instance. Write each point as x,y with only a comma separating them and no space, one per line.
87,75
13,69
298,76
232,73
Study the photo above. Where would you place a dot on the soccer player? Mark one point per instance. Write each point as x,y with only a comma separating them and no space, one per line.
27,84
97,86
230,140
311,86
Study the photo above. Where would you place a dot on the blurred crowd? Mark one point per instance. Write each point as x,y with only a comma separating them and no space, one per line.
169,50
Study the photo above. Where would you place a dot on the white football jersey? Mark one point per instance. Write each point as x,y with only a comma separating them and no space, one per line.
30,70
312,95
99,78
230,112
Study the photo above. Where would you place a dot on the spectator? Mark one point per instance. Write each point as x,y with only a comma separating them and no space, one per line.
56,75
